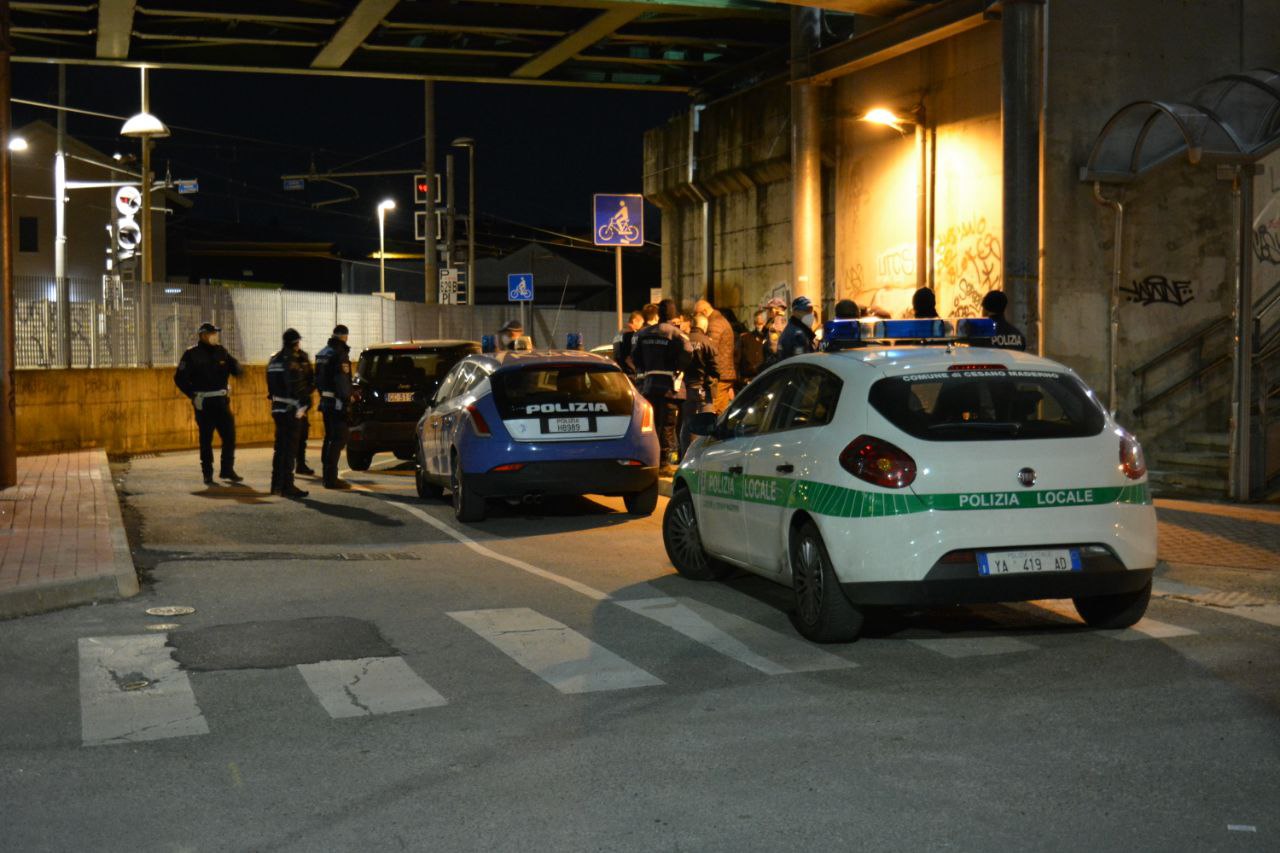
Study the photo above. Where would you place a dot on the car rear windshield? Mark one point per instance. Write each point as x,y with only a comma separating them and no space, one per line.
547,389
422,369
981,405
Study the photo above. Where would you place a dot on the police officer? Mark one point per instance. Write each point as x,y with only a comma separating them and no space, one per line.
509,334
304,429
798,337
288,379
333,378
202,375
1008,336
622,342
661,354
924,304
699,379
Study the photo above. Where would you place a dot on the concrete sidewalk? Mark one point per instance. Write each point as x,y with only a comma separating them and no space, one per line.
62,538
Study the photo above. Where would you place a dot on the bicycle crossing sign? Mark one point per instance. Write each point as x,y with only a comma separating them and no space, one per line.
619,219
520,287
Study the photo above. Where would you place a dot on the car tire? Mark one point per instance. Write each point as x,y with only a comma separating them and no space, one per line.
1114,611
642,503
359,460
823,614
427,490
404,455
684,544
467,505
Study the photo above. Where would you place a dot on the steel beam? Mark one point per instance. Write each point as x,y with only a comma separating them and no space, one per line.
362,21
115,23
569,46
1021,82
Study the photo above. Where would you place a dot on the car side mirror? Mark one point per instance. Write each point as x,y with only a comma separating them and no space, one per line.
703,423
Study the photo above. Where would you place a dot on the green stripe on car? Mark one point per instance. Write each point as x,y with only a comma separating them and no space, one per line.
843,502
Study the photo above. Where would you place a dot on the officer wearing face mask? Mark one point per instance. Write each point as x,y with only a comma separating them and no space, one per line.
509,334
798,337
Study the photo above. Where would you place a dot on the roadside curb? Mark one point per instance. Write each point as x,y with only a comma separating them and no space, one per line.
126,575
664,486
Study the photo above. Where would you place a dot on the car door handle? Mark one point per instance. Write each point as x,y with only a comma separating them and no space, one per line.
786,468
735,469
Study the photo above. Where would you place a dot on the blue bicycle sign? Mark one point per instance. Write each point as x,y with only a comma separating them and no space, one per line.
618,220
520,287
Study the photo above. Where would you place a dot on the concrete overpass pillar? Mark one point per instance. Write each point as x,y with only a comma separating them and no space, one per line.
806,158
1022,102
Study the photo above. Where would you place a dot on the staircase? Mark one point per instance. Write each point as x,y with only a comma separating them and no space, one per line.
1196,469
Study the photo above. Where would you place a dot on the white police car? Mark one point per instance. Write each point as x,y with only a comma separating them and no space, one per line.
912,467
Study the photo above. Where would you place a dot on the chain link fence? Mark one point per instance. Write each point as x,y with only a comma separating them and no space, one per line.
106,324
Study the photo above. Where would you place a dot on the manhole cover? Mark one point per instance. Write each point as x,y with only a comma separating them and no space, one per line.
162,626
170,611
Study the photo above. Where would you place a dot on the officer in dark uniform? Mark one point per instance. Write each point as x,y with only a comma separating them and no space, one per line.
924,304
288,378
333,378
623,342
202,375
304,430
798,337
1008,336
699,379
660,354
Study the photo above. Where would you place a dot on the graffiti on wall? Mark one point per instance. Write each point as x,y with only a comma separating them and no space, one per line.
1266,242
1160,290
967,265
896,266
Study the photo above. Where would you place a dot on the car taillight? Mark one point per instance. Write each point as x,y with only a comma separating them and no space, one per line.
879,462
1132,461
478,421
509,467
646,417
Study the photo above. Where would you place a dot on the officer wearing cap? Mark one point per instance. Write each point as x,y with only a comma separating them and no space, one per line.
661,354
509,334
202,375
288,380
333,378
1007,336
798,337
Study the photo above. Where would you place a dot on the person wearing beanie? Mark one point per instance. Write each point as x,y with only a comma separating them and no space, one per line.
924,305
333,379
847,309
202,375
1008,336
289,379
798,337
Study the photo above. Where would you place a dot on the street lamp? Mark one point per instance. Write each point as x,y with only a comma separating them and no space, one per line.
18,143
383,207
145,127
924,209
470,144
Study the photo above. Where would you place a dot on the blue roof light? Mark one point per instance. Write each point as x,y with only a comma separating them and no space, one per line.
919,329
841,334
488,343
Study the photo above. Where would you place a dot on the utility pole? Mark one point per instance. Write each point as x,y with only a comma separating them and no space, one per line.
145,224
63,286
430,260
8,405
450,211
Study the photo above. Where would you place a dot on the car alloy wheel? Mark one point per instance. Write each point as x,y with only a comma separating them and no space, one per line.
684,536
808,581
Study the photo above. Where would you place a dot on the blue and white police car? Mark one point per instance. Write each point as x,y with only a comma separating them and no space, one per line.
521,425
918,467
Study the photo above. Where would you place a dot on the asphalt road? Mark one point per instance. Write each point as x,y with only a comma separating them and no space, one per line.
362,673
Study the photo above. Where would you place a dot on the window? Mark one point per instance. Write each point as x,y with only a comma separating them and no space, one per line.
451,383
525,391
747,413
28,234
987,405
807,398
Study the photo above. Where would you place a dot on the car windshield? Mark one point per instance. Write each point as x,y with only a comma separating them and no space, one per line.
551,389
982,405
419,369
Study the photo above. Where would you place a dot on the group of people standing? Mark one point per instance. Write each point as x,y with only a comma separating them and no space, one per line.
292,381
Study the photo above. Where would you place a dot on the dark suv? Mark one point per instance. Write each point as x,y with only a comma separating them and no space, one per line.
393,384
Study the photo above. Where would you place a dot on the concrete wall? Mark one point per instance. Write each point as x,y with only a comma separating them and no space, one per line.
129,410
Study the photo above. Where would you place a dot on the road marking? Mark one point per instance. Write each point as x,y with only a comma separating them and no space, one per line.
131,689
367,686
557,654
1144,629
966,647
733,636
1241,827
449,530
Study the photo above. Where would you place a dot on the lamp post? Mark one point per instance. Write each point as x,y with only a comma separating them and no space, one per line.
924,235
470,144
383,207
146,127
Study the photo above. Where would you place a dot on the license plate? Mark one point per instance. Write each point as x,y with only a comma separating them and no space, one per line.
1026,562
568,425
400,397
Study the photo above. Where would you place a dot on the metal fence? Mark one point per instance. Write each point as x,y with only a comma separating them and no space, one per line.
104,326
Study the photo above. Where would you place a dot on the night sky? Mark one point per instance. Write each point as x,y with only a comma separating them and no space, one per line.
541,151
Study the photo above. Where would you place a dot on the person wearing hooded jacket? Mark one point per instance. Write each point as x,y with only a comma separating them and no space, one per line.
333,379
288,382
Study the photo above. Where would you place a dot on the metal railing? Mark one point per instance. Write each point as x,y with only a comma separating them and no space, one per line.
105,330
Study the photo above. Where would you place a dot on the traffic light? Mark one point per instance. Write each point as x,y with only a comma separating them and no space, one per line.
426,187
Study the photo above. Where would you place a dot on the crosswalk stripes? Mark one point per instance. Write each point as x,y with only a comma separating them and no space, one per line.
733,636
131,689
557,654
368,686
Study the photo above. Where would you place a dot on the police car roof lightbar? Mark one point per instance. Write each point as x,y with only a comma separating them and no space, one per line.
574,341
845,334
488,343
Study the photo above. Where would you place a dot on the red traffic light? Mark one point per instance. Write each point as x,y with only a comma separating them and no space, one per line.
423,187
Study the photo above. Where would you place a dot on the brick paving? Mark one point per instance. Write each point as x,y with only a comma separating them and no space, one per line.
1214,534
62,540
